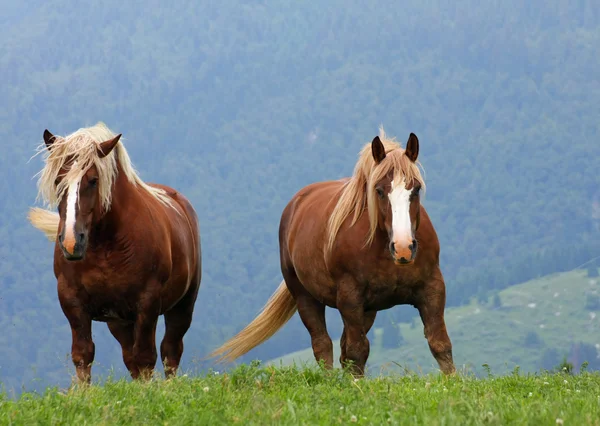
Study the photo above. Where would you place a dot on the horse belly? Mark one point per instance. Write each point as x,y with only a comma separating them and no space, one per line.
313,281
111,315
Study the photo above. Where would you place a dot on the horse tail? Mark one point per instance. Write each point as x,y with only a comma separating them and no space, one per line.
46,221
276,312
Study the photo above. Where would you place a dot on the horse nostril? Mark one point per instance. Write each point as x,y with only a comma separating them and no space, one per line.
393,247
413,245
60,238
81,237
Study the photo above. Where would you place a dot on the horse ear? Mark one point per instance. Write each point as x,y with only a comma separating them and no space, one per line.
48,138
106,147
412,147
378,150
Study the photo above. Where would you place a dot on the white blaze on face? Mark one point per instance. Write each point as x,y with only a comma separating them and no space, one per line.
72,194
401,226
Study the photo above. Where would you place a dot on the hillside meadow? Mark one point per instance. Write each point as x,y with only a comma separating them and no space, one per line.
251,394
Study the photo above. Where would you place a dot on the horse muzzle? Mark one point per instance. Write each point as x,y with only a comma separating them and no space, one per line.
406,255
73,250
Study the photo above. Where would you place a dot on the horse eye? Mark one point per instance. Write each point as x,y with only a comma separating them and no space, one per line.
93,182
56,182
379,192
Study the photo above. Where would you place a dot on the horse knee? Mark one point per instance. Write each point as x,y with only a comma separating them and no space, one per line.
171,347
322,343
82,352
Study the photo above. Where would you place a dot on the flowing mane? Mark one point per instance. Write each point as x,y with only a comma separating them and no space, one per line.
80,148
358,194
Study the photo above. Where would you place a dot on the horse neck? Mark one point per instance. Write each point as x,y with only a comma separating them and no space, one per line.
125,196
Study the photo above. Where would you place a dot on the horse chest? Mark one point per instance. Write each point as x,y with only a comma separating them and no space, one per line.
386,291
108,298
107,289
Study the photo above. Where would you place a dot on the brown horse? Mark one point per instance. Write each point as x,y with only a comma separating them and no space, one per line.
125,252
360,245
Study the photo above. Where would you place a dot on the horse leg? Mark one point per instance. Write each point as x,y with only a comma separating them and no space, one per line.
124,335
144,332
82,348
351,307
431,308
312,314
369,320
177,323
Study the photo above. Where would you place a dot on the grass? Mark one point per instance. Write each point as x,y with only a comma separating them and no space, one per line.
552,306
251,394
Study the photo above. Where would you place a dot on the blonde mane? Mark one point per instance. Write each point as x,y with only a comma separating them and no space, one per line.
358,194
81,147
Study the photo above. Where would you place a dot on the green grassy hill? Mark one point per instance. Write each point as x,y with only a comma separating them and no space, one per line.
536,324
261,396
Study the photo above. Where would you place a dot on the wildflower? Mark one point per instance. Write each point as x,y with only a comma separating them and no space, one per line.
216,373
577,391
353,419
530,394
560,421
565,382
206,389
427,385
342,407
546,383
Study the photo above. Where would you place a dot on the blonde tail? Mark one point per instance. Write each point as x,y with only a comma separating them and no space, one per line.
277,311
46,221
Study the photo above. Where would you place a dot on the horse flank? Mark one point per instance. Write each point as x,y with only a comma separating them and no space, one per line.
359,192
81,146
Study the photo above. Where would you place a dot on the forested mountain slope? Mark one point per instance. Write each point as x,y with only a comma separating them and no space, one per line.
240,104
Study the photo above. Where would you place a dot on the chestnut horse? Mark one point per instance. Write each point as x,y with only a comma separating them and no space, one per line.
125,252
360,245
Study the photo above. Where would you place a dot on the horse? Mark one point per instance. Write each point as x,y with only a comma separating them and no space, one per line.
359,245
125,252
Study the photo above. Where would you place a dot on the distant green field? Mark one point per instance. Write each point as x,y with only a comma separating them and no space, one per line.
270,395
552,310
